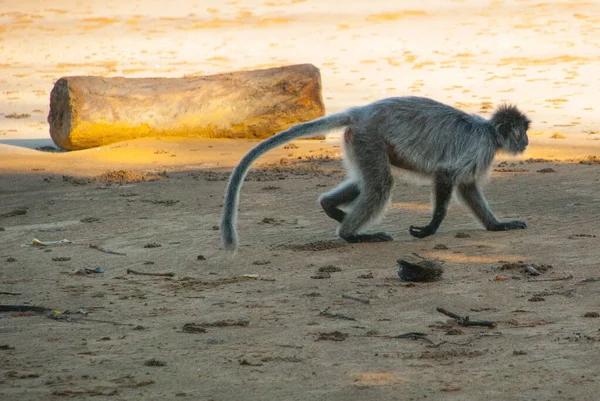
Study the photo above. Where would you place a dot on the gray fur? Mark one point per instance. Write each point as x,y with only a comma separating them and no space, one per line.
411,133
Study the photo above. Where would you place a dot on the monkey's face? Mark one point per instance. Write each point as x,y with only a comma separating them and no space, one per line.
516,138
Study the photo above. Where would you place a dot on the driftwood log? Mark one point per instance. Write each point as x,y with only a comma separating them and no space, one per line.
90,111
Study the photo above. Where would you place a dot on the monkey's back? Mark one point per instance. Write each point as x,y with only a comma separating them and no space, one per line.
429,135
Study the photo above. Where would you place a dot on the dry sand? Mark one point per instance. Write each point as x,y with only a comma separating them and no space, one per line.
157,202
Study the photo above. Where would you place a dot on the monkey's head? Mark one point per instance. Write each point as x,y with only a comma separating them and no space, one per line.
510,126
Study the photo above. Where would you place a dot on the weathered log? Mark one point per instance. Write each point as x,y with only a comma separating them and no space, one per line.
90,111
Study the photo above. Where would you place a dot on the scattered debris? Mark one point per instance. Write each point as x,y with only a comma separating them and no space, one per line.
23,308
411,336
13,213
440,246
127,176
242,321
51,230
10,259
270,188
366,276
86,271
131,271
17,116
271,220
462,235
329,269
574,236
333,336
590,160
101,249
418,268
536,298
321,275
6,347
244,362
547,170
168,202
154,362
90,220
193,328
152,245
591,314
61,259
9,293
77,180
357,299
565,276
201,257
531,269
312,246
465,321
325,312
37,242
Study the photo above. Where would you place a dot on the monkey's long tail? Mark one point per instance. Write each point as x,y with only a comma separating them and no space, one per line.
232,195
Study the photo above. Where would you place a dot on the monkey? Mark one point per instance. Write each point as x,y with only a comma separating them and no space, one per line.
418,134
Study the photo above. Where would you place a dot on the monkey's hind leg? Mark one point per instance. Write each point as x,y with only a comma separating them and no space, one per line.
443,193
477,203
373,198
344,194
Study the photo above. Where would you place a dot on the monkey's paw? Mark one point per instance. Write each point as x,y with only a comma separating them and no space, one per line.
509,225
421,231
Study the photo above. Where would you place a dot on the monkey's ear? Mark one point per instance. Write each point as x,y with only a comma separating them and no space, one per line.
504,129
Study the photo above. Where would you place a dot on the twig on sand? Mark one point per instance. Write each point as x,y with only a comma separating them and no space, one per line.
98,247
563,278
465,321
9,293
325,312
131,271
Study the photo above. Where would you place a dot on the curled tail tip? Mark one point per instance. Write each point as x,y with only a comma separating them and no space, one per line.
230,244
229,252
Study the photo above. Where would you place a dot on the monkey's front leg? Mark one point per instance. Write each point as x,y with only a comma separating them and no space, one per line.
478,205
443,194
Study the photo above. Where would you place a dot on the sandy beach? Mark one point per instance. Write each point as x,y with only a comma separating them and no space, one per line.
263,326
